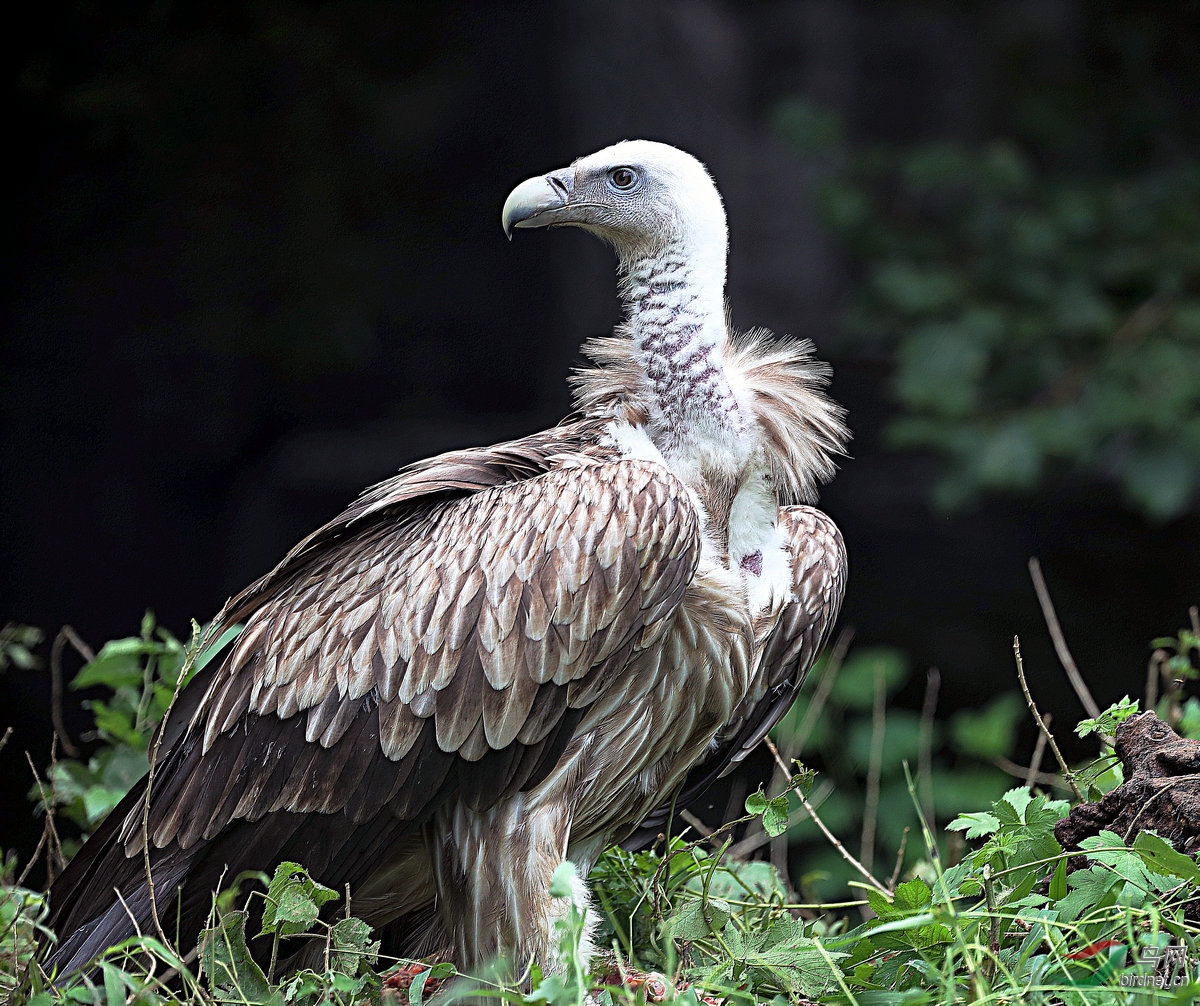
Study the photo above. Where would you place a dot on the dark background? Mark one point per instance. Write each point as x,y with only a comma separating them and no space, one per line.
256,264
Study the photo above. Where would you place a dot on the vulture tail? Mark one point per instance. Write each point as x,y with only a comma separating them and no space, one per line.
85,910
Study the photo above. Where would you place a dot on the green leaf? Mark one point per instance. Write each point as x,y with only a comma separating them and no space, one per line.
1108,721
939,367
914,288
975,825
294,901
114,986
855,684
774,812
119,663
1161,482
233,975
215,647
991,732
562,884
353,950
699,919
1058,881
1158,854
1019,799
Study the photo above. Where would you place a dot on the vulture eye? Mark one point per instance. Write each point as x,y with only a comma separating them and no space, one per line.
622,179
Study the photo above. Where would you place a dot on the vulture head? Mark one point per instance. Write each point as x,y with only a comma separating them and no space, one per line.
643,198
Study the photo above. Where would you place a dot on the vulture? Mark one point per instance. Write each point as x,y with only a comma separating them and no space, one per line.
505,657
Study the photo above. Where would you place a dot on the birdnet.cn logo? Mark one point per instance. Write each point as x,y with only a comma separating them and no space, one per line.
1161,968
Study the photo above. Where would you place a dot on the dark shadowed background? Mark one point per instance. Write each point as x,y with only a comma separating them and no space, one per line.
256,264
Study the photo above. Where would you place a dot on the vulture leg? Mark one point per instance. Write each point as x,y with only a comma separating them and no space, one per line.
494,869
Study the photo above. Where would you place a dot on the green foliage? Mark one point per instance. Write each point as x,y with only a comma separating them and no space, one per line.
294,901
1107,722
292,909
17,643
139,675
774,812
1042,315
21,914
1174,663
1008,921
956,760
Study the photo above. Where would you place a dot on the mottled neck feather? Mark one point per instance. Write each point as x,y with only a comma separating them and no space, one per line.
800,426
675,310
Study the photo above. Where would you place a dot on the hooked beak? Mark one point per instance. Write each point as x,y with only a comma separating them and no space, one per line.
538,202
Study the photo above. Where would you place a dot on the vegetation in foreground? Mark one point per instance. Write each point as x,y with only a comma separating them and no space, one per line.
989,909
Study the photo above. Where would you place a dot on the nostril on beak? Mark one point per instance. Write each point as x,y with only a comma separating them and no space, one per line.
559,186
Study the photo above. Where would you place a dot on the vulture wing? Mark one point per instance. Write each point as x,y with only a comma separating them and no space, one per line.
819,565
442,638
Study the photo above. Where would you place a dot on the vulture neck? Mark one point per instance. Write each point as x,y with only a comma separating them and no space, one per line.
675,304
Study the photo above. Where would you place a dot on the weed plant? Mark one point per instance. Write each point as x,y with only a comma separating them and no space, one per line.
984,909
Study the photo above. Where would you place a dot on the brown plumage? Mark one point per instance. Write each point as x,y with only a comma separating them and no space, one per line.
504,657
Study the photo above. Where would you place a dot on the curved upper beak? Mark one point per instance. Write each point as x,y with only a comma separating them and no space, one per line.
537,202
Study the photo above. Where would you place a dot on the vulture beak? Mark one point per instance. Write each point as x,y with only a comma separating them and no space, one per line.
538,202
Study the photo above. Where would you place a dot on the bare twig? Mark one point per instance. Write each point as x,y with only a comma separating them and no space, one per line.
37,851
793,743
1039,752
700,827
874,772
751,842
1153,673
933,684
1060,641
4,739
65,635
49,839
1025,773
1037,716
899,860
816,705
989,965
841,849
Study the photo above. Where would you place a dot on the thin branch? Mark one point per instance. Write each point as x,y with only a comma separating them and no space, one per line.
933,685
1025,774
1039,752
1194,617
842,850
812,712
49,831
1153,673
65,635
874,772
899,860
1060,641
701,828
816,705
1037,716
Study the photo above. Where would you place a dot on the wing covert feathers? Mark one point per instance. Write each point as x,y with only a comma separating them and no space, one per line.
819,567
462,630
